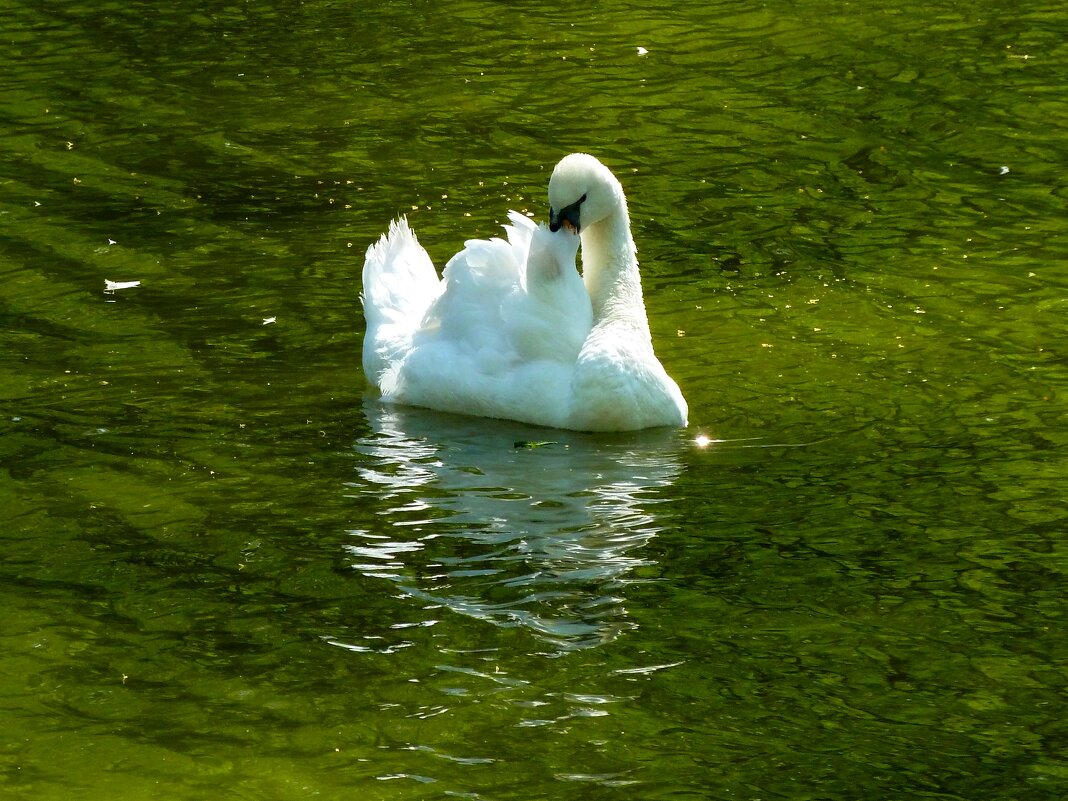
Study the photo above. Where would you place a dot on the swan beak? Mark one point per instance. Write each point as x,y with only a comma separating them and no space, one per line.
567,217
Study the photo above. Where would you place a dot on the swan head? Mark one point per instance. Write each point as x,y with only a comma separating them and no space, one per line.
582,191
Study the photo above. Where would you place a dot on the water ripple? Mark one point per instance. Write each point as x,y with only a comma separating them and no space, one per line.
546,538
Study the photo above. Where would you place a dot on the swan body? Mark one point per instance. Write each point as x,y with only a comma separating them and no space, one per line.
511,330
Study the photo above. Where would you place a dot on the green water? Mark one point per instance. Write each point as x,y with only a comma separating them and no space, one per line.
228,572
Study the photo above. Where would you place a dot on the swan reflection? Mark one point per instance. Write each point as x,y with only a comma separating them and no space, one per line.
476,516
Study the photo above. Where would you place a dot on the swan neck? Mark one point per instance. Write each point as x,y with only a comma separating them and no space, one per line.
610,271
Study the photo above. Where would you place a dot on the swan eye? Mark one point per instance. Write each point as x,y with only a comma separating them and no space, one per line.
583,198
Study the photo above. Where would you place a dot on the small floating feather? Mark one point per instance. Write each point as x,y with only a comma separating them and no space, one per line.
114,286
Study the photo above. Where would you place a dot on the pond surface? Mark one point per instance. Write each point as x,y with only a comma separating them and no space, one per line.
228,571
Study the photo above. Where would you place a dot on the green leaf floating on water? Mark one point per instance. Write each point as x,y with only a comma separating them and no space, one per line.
522,443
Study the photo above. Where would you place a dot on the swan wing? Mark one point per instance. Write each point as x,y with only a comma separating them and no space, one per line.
513,300
476,283
502,336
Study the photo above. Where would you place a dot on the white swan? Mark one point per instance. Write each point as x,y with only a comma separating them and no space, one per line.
511,330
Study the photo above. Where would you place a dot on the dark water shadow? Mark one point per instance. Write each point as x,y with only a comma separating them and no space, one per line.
509,524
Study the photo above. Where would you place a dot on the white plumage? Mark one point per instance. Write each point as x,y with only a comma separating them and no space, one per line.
512,330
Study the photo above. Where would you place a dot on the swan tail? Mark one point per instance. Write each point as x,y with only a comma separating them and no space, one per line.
399,284
399,280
